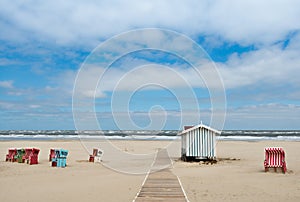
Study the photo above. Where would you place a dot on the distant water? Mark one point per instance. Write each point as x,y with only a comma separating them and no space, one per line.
241,135
257,135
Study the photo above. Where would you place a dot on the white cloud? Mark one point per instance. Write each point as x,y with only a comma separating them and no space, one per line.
152,76
5,62
264,116
266,66
6,84
269,66
245,22
6,105
81,22
34,106
251,21
85,23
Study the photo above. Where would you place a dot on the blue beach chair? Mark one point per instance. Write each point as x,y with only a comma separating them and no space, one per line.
63,153
60,158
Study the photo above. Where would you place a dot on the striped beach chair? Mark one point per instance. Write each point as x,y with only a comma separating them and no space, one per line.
58,157
52,154
33,156
11,154
96,156
19,156
28,152
275,158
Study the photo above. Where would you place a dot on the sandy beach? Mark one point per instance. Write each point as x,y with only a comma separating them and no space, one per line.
239,176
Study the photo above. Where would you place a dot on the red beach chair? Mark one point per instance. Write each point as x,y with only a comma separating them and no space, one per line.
11,155
275,158
96,156
52,154
92,157
33,157
28,151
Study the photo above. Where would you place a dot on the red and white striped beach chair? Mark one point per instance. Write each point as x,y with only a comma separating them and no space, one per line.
96,156
52,154
275,158
11,154
28,152
33,157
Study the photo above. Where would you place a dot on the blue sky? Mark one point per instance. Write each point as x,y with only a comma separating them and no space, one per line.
255,46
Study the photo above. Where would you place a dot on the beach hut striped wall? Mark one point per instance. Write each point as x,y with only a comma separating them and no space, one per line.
198,142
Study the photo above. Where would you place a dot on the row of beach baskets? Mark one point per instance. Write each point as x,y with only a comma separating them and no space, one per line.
274,157
28,155
57,157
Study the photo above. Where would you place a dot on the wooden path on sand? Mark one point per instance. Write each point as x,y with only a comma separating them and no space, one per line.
161,185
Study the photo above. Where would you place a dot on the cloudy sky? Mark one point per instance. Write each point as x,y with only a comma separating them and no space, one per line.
255,46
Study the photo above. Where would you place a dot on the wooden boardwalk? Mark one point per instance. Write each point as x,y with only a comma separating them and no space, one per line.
161,185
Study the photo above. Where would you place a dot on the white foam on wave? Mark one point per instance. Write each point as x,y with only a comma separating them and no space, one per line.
144,135
72,137
259,138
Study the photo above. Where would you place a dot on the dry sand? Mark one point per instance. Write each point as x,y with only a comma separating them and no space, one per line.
242,179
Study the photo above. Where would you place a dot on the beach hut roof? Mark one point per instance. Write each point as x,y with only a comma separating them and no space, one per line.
199,126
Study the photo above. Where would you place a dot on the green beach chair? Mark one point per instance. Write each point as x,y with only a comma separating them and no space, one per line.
19,156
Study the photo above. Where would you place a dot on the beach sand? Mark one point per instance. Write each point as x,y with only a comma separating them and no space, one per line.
239,176
242,179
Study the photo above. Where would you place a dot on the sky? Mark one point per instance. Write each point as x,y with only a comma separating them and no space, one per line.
48,50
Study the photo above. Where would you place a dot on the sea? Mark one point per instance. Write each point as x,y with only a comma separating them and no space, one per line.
226,135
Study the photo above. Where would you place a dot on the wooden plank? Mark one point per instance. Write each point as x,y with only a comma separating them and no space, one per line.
161,185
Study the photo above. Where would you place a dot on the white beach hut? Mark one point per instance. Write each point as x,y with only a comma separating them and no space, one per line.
198,142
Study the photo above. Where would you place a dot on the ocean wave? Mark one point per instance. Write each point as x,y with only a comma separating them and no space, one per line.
240,135
258,138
